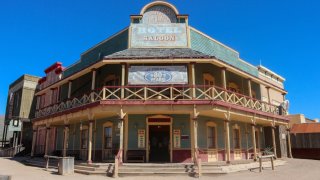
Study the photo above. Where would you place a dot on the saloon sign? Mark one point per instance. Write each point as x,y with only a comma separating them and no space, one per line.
158,35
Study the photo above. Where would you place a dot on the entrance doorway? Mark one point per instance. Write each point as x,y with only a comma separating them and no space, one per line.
159,137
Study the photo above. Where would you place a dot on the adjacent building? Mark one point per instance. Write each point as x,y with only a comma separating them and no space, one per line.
20,110
160,91
305,137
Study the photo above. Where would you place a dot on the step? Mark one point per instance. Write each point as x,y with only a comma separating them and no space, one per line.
153,170
87,168
91,172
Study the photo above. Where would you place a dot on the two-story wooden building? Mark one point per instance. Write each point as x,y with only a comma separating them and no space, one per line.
160,91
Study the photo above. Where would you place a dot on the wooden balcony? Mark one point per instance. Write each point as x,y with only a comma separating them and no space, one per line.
181,94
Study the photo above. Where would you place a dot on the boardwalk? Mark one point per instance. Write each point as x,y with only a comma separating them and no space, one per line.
295,169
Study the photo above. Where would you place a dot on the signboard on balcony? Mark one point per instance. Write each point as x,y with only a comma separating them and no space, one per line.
157,75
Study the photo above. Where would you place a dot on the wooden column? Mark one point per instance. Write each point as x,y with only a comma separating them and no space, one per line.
65,138
253,129
193,79
47,140
90,142
274,141
224,81
34,139
227,140
269,98
93,79
289,143
121,137
249,88
69,89
123,79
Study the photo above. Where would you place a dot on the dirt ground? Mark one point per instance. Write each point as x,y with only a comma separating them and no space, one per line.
295,169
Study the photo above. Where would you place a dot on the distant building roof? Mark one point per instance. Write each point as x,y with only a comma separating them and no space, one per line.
156,53
305,128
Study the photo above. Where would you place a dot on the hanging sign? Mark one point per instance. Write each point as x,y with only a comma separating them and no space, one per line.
141,138
141,75
177,138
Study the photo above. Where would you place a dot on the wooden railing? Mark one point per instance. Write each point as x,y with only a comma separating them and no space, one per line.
160,93
117,163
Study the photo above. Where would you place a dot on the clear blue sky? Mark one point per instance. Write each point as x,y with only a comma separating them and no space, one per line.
283,34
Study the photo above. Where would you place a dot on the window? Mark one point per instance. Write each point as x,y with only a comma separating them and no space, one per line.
236,137
257,138
212,137
84,139
112,80
233,87
108,137
208,82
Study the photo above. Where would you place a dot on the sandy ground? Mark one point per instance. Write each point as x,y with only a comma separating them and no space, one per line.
295,169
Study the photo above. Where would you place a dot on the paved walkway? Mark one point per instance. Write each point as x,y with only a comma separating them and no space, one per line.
295,169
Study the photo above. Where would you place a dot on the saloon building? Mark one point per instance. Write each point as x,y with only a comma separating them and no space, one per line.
160,91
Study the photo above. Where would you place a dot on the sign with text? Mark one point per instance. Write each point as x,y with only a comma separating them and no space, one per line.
176,138
141,138
141,75
159,35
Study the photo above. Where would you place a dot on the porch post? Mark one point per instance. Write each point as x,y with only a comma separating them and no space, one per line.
69,89
193,79
93,79
121,137
47,140
90,142
34,138
123,79
274,141
65,137
224,81
289,143
268,91
253,129
227,139
249,88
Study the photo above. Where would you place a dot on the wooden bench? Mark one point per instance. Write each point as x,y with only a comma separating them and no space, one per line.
271,157
50,157
135,156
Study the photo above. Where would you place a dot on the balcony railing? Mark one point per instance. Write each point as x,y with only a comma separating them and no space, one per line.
161,93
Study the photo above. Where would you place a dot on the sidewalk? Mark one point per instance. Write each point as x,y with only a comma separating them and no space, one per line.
295,169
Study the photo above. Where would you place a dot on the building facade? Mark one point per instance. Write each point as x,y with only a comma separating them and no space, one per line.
20,110
160,91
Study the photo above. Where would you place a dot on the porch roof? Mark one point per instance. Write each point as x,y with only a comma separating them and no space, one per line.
156,53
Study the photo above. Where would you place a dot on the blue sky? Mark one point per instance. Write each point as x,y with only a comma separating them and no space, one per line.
284,35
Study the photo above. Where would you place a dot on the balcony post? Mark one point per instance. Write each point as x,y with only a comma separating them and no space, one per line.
193,80
47,140
69,89
289,142
274,140
65,139
93,81
34,139
253,129
224,81
90,142
249,88
123,79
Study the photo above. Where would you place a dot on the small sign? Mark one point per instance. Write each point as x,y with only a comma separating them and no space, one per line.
15,125
283,136
177,138
184,137
141,138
